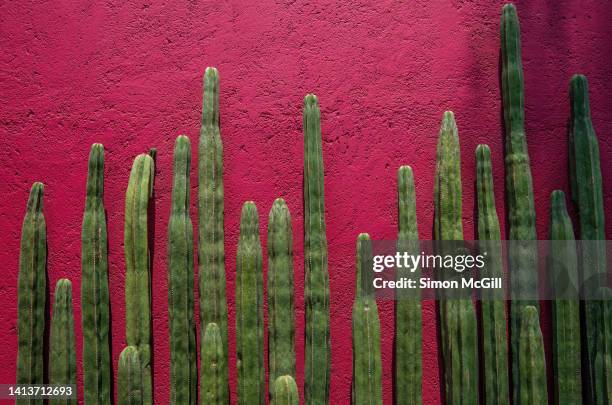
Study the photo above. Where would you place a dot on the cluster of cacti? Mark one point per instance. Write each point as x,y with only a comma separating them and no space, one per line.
183,369
62,353
457,315
211,252
316,281
408,335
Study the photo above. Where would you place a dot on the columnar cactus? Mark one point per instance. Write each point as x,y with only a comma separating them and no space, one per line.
31,294
62,356
183,369
94,286
285,391
602,384
408,333
316,287
281,328
367,368
213,384
532,384
565,309
493,325
249,310
129,378
519,188
211,253
137,273
457,316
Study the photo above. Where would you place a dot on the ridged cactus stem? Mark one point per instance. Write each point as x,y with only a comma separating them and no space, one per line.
316,287
183,369
129,378
457,316
408,318
367,366
285,391
137,273
94,286
31,293
211,253
493,325
281,327
213,384
563,273
249,310
532,386
62,357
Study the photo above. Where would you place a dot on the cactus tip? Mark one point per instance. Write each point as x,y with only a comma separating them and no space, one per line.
310,99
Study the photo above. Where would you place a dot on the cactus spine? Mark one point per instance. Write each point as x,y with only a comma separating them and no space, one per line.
249,310
532,386
585,179
519,187
62,357
183,370
367,374
281,329
285,391
129,377
213,383
457,316
316,286
94,286
31,295
137,274
493,325
408,335
211,253
565,310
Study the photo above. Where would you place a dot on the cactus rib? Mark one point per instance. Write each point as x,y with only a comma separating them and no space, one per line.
285,391
213,384
62,357
129,377
532,386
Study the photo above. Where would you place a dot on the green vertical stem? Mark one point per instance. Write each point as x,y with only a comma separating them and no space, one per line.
285,391
213,384
62,356
129,377
532,385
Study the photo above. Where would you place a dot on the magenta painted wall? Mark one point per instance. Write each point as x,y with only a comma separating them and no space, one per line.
128,74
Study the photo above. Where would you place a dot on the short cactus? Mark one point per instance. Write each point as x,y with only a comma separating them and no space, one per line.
129,378
532,385
285,391
213,384
62,356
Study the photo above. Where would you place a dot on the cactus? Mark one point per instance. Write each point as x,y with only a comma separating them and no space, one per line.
137,273
457,316
183,370
408,334
211,253
316,289
565,310
249,310
285,391
94,286
493,325
532,384
213,384
602,384
367,368
62,357
281,328
129,377
31,295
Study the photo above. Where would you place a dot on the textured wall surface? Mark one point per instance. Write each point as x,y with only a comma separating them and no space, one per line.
128,74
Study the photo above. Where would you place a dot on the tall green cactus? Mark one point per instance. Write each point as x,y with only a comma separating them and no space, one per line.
565,310
285,391
493,325
137,273
602,384
211,253
457,316
213,384
249,310
367,365
316,287
94,286
585,179
281,328
183,369
62,356
31,294
532,384
130,386
519,188
408,318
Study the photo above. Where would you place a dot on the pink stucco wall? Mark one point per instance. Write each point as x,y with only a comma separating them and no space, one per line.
128,74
